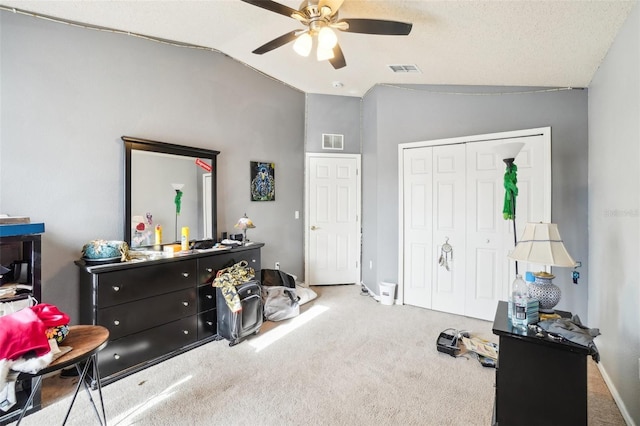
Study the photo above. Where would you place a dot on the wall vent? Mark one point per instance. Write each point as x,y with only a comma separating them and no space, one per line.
405,68
331,141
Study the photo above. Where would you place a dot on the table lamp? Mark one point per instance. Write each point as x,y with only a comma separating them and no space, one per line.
541,243
244,223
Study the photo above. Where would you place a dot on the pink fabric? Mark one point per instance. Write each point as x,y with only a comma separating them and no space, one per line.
20,333
50,315
25,330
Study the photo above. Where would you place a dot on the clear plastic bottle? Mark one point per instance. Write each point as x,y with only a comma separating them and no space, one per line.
520,300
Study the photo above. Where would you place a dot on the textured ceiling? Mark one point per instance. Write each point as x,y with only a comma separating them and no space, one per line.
501,43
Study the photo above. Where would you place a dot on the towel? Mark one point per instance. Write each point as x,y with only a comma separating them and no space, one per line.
573,330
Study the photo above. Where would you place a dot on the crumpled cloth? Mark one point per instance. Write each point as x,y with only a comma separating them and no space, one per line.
573,330
24,346
227,279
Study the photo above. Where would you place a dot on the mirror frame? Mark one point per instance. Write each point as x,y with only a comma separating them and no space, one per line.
132,143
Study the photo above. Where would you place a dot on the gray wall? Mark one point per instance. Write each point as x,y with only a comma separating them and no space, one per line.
68,94
397,115
614,213
333,114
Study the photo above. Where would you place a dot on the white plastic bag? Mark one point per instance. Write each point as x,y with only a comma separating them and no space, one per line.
280,303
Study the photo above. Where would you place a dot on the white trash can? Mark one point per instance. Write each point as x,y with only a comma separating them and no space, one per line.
387,292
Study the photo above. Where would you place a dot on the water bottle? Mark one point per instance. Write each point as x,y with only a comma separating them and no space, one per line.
510,300
520,297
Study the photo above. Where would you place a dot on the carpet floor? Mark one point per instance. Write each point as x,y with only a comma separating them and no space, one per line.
346,360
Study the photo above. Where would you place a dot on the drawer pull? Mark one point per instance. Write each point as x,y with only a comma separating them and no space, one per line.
209,296
209,323
185,331
185,274
185,303
116,356
209,270
116,288
116,322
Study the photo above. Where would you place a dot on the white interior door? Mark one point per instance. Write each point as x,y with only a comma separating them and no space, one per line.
332,219
464,178
449,228
418,232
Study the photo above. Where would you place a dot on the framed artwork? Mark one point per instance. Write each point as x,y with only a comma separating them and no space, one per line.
263,181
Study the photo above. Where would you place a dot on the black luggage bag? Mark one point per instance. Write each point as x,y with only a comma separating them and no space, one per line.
235,326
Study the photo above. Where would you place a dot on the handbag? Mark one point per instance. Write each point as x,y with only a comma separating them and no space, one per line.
279,296
276,277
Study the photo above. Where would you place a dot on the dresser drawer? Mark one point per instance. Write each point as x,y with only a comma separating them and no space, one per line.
141,282
139,348
207,324
206,297
209,266
132,317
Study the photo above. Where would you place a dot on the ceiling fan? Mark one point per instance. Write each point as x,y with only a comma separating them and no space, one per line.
321,17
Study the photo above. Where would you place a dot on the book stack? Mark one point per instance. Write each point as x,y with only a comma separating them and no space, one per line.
18,225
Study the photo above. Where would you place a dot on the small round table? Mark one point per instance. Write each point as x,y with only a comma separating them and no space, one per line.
86,341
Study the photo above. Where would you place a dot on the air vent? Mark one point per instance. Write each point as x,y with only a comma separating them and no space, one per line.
405,68
331,141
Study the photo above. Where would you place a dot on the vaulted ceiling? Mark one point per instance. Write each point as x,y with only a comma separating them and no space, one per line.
549,43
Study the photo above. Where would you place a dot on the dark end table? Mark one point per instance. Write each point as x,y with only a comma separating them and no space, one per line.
539,381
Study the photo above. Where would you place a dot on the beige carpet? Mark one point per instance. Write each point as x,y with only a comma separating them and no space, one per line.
346,360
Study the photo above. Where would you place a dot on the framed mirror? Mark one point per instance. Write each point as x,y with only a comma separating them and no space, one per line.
173,186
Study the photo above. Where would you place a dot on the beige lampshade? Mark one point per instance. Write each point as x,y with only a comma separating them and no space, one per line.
541,243
244,223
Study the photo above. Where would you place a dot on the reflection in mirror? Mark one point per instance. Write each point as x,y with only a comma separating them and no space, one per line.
169,186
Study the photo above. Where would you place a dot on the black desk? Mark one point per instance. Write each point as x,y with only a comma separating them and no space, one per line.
538,381
86,341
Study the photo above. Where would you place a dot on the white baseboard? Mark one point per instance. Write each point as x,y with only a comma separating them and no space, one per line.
616,396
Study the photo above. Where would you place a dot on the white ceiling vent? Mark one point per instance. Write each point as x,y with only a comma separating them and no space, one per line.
405,68
331,141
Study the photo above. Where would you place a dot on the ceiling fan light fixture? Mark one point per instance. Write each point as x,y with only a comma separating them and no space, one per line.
324,54
327,38
303,44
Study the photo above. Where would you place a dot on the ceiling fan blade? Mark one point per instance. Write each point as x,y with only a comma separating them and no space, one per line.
338,60
276,42
273,7
377,26
334,5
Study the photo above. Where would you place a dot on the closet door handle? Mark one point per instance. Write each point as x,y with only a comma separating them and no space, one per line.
185,303
185,274
209,296
116,322
209,270
116,288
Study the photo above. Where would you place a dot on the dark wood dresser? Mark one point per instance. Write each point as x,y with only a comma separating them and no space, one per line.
154,309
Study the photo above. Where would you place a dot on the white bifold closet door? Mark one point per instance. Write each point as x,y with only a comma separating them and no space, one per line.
453,194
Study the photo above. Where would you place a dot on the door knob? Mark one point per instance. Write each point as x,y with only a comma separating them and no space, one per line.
313,228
